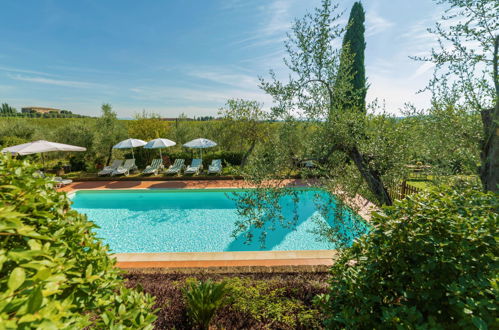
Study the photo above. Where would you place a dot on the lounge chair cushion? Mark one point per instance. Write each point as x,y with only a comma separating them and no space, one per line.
216,166
176,167
154,167
126,168
109,169
196,166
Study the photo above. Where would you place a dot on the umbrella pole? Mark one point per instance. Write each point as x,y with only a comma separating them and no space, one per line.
43,161
133,156
160,155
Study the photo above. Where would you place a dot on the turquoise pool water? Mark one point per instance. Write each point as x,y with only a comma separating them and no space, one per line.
201,221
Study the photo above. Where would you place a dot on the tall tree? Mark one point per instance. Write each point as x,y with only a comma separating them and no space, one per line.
466,71
109,132
354,152
317,89
353,70
181,129
7,109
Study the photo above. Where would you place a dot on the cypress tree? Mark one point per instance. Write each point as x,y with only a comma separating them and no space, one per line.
352,69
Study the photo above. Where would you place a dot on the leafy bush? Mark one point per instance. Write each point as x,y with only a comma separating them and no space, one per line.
227,157
17,128
54,272
268,303
203,301
262,298
430,262
8,141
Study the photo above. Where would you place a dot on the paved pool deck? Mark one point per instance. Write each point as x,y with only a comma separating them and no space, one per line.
215,259
175,184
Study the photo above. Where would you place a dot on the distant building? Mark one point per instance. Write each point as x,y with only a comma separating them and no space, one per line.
175,119
40,110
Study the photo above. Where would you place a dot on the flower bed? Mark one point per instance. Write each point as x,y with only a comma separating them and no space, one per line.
262,299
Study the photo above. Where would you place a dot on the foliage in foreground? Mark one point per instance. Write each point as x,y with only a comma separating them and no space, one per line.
431,262
258,300
203,300
54,272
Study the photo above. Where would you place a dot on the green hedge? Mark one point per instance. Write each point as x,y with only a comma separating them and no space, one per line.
54,272
228,158
431,262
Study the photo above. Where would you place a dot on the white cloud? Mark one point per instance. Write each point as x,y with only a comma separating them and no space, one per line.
234,4
10,69
276,20
168,93
396,91
226,78
57,82
279,20
423,69
375,23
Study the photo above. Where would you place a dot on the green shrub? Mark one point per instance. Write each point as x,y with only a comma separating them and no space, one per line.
203,300
54,272
227,157
9,141
269,303
430,262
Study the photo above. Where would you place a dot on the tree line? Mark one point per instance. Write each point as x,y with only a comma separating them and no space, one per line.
7,111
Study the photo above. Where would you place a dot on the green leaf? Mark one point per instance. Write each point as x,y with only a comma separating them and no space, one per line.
43,273
122,309
35,300
479,323
88,272
16,278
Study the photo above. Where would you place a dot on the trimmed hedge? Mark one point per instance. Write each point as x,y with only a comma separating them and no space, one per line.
54,272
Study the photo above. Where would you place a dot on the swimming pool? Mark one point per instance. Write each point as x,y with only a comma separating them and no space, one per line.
201,220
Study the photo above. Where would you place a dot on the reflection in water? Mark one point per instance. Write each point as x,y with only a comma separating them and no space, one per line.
199,221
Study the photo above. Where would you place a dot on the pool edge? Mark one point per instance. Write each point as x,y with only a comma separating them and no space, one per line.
225,259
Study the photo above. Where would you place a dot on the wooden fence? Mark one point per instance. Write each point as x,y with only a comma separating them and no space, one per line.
400,191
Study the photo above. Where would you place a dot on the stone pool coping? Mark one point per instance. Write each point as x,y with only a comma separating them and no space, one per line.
216,259
224,259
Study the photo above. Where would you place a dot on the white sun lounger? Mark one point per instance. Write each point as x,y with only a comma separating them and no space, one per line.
154,168
110,169
57,179
177,166
126,168
215,167
196,166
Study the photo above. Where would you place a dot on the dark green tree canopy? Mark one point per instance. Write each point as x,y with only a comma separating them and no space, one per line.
7,109
354,70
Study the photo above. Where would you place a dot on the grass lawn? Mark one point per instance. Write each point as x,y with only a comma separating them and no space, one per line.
434,181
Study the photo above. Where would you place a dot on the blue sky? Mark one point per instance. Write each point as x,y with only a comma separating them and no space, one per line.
188,56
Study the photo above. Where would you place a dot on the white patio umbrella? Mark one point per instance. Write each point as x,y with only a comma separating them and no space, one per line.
130,144
159,144
200,144
40,146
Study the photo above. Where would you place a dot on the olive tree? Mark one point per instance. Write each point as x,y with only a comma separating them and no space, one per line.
466,71
354,152
316,91
109,131
244,120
